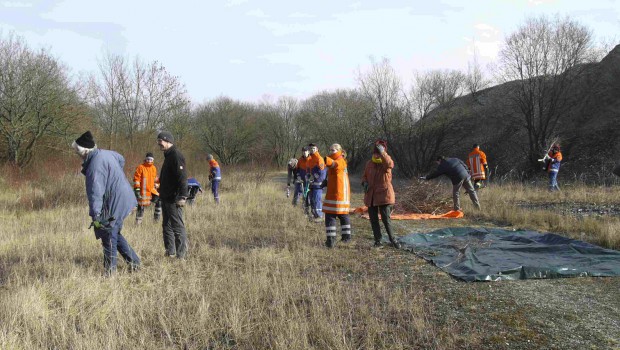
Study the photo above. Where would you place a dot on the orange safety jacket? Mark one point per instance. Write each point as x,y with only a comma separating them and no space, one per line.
337,200
553,164
476,162
145,178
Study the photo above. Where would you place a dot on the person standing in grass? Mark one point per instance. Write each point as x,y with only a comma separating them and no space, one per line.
292,174
173,194
379,194
316,168
552,160
110,200
456,170
337,199
215,176
478,167
302,171
145,184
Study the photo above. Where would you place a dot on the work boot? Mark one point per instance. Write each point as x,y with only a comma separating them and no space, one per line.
378,244
345,239
330,242
396,245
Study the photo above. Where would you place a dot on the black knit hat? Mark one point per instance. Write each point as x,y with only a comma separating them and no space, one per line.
149,154
86,140
166,136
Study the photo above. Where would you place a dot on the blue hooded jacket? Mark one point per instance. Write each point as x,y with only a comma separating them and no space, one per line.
108,190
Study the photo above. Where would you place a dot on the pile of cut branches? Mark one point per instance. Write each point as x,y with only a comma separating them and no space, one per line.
431,197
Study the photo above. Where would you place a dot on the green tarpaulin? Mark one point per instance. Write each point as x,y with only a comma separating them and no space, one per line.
491,254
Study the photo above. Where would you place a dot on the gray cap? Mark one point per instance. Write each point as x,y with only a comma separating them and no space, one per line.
166,136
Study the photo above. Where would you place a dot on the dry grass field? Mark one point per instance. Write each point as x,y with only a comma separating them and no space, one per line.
258,277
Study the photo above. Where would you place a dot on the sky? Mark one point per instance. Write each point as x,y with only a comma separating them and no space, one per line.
255,50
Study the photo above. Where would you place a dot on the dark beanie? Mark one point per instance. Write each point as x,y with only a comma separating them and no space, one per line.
166,136
149,154
86,140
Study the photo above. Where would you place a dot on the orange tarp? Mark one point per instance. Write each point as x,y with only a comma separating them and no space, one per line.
452,214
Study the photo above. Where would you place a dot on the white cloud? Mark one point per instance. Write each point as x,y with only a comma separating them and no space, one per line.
236,61
300,15
231,3
16,4
256,13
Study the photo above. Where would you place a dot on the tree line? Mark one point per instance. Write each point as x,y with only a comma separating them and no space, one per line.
129,100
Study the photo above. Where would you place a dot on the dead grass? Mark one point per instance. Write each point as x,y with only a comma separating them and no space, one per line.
257,277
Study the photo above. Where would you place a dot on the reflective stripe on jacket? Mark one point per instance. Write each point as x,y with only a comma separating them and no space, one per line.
316,166
553,164
145,178
215,172
476,162
337,199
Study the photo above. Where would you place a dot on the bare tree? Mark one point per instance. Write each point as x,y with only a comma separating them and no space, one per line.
36,99
545,59
228,128
344,117
137,97
282,128
431,112
475,79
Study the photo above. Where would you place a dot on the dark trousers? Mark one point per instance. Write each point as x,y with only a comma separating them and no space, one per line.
156,213
215,189
112,241
330,224
299,192
469,188
175,237
386,213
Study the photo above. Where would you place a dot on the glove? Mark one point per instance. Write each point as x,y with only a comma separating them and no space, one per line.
486,169
541,160
546,157
422,178
180,202
155,198
380,148
96,224
210,177
137,192
365,186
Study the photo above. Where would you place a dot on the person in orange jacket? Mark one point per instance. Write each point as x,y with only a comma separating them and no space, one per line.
302,171
316,173
145,185
337,199
552,160
478,167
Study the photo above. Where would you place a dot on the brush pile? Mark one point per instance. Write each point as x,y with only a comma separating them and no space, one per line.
430,197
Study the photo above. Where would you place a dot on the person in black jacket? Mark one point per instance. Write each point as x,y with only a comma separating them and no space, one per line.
457,171
173,194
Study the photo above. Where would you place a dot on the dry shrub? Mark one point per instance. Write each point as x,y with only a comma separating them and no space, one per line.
51,193
423,197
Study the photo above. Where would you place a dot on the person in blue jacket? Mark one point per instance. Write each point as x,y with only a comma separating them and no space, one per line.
110,200
458,173
215,176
